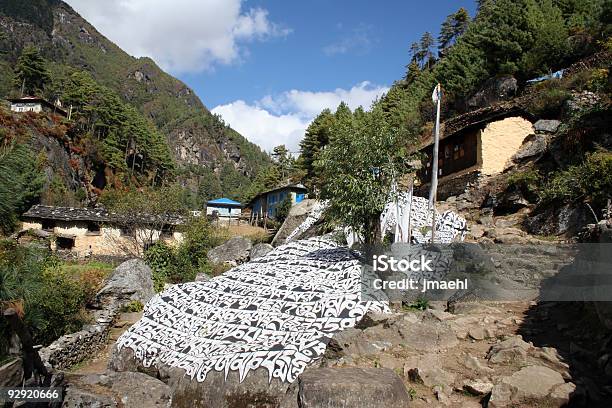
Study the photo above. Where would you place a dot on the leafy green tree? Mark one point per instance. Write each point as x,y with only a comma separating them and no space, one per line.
282,210
358,166
31,72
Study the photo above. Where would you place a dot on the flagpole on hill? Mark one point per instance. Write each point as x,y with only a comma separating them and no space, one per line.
437,99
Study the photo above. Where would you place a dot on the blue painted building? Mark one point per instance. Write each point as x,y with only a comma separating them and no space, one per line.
224,207
264,204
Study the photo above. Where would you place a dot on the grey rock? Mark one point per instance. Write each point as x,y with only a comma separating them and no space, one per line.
472,363
215,391
130,281
202,277
11,373
351,387
494,90
126,390
297,215
529,383
547,126
512,349
260,250
431,375
478,387
235,250
427,336
560,395
533,146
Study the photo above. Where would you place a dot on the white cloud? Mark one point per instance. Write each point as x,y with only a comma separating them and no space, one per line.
180,35
283,119
359,40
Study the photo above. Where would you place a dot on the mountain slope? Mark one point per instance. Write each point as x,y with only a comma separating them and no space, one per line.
202,145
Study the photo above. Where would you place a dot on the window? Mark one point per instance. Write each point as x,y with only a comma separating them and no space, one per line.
64,243
48,225
93,228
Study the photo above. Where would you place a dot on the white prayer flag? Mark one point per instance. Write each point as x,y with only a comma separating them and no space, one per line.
437,94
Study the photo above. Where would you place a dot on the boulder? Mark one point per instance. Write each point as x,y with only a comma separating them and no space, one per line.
351,387
130,281
528,384
533,146
478,387
511,350
234,251
260,250
546,126
217,390
296,217
125,390
494,90
11,373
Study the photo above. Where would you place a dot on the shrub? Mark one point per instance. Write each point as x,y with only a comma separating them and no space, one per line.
282,211
134,306
549,99
160,257
590,181
528,182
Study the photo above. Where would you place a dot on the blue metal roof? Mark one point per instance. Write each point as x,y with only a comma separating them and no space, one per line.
225,201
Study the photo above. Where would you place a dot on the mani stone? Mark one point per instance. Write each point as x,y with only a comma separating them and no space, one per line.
351,387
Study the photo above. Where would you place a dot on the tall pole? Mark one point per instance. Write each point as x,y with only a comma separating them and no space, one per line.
437,98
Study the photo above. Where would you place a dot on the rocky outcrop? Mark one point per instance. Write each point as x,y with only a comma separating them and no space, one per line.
260,250
352,387
234,251
494,90
130,281
116,390
306,215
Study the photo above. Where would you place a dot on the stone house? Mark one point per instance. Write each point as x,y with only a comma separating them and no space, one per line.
36,104
95,231
477,144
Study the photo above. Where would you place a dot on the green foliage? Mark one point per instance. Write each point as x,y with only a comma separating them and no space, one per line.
282,210
453,27
21,181
162,260
129,144
549,99
51,297
358,165
528,182
419,304
317,136
31,72
134,306
182,263
589,181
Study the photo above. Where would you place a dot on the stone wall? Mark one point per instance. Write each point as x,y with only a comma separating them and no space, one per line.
73,348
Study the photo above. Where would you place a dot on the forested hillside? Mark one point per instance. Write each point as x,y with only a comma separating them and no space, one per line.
135,117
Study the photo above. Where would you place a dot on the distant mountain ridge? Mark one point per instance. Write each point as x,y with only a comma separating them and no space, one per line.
207,151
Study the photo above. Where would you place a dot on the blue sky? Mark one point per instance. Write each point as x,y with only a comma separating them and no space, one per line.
269,66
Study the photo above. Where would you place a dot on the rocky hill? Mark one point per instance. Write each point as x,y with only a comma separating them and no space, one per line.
202,145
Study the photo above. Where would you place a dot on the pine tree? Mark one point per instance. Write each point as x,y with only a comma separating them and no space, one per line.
283,161
453,27
426,44
316,138
31,73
